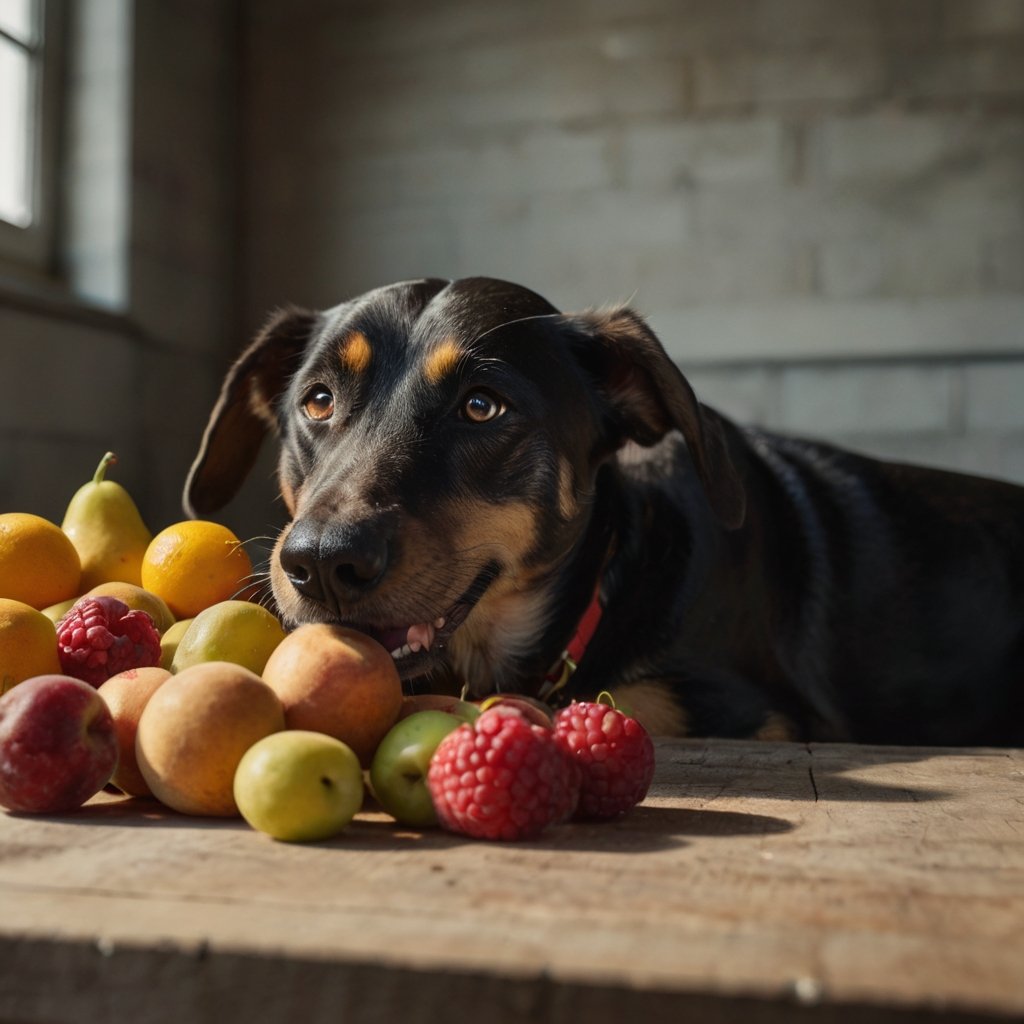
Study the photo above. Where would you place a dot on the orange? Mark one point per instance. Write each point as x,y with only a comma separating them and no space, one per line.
28,644
38,563
195,564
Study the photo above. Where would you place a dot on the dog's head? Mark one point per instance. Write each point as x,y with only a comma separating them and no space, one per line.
440,443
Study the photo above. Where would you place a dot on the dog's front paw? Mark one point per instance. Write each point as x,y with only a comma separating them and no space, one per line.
777,728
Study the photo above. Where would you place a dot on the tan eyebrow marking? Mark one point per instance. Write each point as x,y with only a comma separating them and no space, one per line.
355,352
442,360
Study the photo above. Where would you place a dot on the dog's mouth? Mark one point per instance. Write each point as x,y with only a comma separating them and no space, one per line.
421,637
413,647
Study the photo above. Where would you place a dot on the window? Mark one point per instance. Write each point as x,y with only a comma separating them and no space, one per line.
27,130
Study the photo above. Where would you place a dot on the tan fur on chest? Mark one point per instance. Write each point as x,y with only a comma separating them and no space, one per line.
503,627
653,705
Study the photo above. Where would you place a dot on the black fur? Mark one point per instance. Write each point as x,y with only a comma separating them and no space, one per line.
747,579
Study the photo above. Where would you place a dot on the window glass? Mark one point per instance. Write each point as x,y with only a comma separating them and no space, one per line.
18,19
16,134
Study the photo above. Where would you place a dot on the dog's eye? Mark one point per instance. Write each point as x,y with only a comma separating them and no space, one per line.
479,407
318,403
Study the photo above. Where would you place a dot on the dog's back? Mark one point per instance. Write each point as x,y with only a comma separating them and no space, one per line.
481,482
911,612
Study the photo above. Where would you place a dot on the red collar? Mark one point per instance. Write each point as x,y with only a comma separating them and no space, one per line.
559,673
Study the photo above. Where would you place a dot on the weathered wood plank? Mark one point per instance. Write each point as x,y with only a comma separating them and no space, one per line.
769,879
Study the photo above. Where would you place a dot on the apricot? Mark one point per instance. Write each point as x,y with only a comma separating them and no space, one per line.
195,729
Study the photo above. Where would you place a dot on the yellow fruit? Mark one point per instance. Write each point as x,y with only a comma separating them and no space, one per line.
237,631
38,564
194,564
104,524
28,644
194,730
170,640
55,612
139,599
299,786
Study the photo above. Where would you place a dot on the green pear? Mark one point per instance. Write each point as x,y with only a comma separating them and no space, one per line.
106,529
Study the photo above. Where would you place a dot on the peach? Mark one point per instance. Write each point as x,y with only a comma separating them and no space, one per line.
195,729
337,681
126,695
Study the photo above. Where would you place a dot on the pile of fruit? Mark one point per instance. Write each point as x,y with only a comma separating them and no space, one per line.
146,664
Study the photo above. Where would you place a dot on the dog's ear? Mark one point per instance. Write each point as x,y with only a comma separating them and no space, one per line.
647,396
245,411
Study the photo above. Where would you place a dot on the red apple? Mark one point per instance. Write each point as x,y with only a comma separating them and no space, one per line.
58,746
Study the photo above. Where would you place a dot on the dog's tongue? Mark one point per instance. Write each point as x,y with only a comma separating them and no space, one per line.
420,635
404,640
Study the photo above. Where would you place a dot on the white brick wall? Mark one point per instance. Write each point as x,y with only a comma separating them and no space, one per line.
847,400
794,191
966,416
994,397
818,203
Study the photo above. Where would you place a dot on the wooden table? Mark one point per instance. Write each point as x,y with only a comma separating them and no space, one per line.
758,882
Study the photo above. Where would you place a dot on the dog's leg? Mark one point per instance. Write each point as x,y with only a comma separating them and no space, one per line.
726,705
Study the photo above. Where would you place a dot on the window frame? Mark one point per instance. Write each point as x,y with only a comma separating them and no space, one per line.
32,248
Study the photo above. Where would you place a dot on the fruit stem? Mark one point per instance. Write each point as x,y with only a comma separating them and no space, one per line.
604,697
110,459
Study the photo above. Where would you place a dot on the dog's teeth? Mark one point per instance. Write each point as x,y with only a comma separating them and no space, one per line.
439,622
420,636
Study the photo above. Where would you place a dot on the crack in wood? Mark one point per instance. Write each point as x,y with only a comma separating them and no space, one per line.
810,773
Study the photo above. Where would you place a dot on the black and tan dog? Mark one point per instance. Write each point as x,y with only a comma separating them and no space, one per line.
501,493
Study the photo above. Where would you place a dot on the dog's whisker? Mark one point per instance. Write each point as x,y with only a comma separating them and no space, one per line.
512,323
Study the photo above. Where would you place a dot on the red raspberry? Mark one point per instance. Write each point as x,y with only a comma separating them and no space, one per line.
502,777
616,755
101,636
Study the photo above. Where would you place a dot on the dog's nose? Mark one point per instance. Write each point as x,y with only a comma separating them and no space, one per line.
335,563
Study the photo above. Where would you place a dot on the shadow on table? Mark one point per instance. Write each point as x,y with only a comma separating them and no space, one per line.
690,772
646,828
143,812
